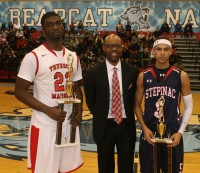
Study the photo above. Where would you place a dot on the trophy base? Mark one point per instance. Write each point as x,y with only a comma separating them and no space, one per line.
71,143
64,145
164,140
156,152
68,101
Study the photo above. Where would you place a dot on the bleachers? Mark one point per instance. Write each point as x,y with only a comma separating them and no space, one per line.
9,74
189,50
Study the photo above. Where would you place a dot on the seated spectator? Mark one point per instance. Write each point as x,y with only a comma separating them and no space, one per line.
120,29
80,26
99,42
4,32
134,33
10,52
16,26
73,44
128,36
32,43
26,31
10,25
135,57
141,36
100,56
12,42
3,26
64,24
178,28
96,32
80,47
33,30
128,27
72,28
11,33
19,33
125,53
149,39
165,28
135,43
142,48
88,33
89,42
3,42
188,31
89,54
125,42
21,43
157,33
40,39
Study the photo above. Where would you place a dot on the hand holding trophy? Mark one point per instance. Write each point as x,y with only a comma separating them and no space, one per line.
161,128
71,99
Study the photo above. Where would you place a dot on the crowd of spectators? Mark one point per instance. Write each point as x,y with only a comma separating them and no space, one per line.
187,31
16,41
137,46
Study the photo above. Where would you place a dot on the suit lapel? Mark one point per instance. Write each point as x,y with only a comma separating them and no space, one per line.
104,73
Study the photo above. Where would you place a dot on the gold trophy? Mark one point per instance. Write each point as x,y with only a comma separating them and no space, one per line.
71,99
161,128
69,86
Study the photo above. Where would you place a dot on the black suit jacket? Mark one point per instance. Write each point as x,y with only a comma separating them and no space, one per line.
96,86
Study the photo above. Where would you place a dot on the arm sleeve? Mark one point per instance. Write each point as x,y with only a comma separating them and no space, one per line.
78,75
28,67
188,106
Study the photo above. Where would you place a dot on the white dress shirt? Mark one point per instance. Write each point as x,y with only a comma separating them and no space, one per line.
110,75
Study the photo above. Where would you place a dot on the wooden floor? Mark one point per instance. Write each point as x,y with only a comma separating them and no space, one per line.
8,103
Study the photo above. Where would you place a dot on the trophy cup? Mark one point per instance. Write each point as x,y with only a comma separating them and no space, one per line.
71,99
161,128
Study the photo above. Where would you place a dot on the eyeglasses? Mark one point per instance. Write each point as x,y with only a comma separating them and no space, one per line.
111,46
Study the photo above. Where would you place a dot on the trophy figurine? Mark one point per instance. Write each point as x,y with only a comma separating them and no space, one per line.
69,86
71,99
161,129
161,126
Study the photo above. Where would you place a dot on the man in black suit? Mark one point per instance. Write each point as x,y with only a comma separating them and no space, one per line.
108,131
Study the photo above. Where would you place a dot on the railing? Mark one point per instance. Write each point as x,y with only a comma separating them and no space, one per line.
8,75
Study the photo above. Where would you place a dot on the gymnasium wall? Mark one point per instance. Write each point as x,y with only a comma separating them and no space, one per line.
143,15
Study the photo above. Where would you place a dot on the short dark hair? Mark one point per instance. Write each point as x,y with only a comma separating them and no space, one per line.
47,15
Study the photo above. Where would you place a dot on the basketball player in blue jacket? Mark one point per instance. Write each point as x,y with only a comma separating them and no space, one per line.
162,87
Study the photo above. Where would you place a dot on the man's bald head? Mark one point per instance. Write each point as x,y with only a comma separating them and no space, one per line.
112,37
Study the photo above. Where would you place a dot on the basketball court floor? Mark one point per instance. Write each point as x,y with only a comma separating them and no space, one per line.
14,124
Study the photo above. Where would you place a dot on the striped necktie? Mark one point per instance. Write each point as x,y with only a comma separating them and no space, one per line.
116,98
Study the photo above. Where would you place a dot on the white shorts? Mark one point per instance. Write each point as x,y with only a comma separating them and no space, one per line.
43,157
